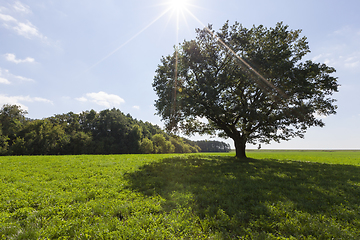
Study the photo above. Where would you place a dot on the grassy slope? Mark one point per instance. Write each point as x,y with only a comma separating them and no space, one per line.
181,196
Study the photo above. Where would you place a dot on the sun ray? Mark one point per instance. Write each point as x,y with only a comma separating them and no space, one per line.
263,79
130,39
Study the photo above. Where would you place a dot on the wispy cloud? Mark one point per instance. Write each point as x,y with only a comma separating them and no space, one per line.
8,77
102,99
4,81
20,100
352,61
347,31
12,58
13,18
342,49
20,7
24,79
25,29
82,99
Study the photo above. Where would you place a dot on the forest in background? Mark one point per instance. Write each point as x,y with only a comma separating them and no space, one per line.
106,132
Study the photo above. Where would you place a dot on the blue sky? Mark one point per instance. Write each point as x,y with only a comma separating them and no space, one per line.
77,55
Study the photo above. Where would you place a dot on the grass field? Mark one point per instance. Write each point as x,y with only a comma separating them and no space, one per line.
271,195
351,157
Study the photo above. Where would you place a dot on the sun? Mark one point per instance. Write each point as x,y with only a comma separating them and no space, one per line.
178,5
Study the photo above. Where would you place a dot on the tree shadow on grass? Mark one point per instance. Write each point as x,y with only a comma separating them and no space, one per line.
246,190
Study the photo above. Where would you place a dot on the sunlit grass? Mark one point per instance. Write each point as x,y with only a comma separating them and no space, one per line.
196,196
351,157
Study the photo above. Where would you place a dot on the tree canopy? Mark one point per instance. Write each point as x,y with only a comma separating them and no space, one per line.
251,85
213,146
106,132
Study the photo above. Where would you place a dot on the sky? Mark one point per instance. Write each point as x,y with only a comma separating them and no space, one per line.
78,55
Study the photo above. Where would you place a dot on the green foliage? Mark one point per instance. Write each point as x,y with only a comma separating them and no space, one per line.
250,84
12,118
106,132
80,143
134,138
213,146
181,146
161,145
3,142
207,196
146,146
40,137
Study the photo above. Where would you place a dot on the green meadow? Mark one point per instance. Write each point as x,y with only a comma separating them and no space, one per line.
351,157
270,195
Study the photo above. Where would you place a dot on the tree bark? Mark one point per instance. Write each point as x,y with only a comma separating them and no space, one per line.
240,145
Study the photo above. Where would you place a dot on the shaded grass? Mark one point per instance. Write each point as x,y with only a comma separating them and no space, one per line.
207,196
258,198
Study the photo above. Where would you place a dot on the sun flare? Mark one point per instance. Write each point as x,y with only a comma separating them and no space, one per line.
178,5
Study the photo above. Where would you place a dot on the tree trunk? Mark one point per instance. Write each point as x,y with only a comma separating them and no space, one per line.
240,145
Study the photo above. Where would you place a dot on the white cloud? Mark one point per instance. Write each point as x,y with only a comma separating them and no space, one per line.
4,81
24,79
82,99
12,58
102,98
342,31
314,59
39,99
19,100
341,49
352,61
5,74
28,30
7,18
347,59
136,107
353,65
22,27
20,7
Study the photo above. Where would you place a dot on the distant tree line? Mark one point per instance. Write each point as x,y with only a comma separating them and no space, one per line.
90,132
213,146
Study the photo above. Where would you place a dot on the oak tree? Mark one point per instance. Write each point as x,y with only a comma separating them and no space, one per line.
251,85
